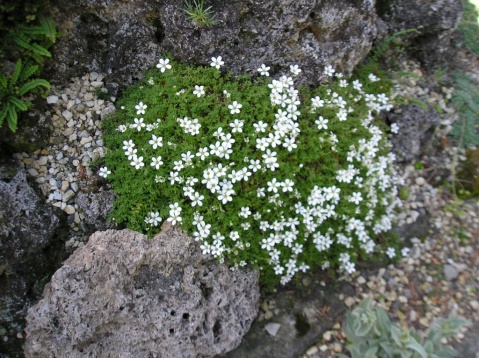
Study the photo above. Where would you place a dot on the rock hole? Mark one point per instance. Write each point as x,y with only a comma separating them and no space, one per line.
122,308
172,331
205,326
160,30
173,313
206,291
302,326
312,15
186,316
217,331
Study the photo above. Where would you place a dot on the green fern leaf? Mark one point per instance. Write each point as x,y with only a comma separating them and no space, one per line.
38,49
3,82
21,105
48,28
29,86
16,74
28,72
3,114
22,41
12,118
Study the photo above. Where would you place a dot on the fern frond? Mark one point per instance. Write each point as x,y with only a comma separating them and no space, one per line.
21,105
39,49
28,72
12,118
16,74
3,82
48,28
29,86
3,114
22,41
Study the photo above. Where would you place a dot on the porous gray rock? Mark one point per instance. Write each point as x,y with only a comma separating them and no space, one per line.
434,42
96,207
416,128
123,294
31,249
122,38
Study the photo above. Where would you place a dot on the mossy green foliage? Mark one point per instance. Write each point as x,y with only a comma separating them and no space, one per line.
469,26
370,334
468,175
319,207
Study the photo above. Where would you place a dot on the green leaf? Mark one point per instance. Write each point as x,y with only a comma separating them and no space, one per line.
49,28
21,105
28,87
40,50
371,353
16,74
12,118
3,114
414,345
28,72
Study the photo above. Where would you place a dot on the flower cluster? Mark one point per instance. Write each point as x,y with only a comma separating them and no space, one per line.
256,171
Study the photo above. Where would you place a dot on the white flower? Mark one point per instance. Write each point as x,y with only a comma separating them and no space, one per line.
104,172
234,235
156,141
254,165
273,185
156,162
373,77
390,252
322,123
245,212
140,108
405,251
289,144
329,71
287,185
130,152
138,124
199,90
356,198
153,218
295,70
237,126
235,107
137,162
202,153
196,199
163,65
175,212
263,70
317,102
260,126
395,128
122,128
217,62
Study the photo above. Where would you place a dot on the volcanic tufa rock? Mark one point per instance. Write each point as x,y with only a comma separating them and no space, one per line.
123,294
96,208
416,126
31,249
123,38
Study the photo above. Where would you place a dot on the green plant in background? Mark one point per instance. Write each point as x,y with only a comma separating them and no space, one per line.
464,100
198,14
470,27
29,45
14,88
370,334
258,172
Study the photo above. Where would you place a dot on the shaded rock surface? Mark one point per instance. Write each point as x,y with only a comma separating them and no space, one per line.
125,295
31,249
435,42
123,38
96,208
416,126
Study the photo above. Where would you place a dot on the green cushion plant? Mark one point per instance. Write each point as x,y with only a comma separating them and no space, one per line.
257,170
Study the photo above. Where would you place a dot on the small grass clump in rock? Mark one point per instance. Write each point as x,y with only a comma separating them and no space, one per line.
258,171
